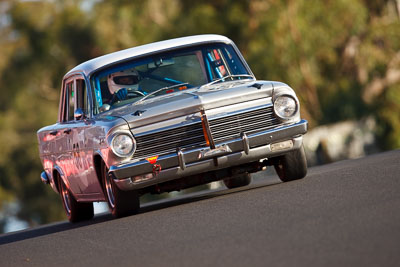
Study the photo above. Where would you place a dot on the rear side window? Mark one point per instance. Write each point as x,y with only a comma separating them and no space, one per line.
67,102
81,96
71,101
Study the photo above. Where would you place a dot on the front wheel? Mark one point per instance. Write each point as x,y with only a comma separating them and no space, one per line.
121,203
76,211
291,166
238,181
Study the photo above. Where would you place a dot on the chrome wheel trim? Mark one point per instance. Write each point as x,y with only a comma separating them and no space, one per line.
109,190
66,199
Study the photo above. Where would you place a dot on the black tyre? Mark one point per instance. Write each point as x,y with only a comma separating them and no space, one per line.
76,211
238,181
121,203
291,166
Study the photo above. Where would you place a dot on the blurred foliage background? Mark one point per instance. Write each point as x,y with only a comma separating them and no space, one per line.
341,56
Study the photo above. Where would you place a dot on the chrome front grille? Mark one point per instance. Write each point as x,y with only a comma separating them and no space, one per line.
248,122
168,141
222,128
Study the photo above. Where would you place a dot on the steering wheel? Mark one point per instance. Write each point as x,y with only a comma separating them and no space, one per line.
136,92
130,94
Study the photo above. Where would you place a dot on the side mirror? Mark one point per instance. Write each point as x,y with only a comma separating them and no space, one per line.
104,108
79,114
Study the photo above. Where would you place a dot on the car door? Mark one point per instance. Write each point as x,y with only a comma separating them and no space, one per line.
64,146
75,148
82,143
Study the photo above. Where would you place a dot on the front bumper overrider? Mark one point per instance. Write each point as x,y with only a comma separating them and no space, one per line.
247,148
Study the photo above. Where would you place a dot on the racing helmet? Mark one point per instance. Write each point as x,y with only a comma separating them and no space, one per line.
123,79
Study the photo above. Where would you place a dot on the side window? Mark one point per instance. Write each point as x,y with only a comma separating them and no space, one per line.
71,101
81,96
67,111
74,96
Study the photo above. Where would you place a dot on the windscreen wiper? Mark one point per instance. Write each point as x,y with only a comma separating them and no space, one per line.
161,89
231,77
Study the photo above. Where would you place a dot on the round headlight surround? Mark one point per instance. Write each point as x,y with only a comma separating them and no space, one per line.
123,145
285,107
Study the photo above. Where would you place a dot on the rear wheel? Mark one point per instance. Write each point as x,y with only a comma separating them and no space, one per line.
291,166
238,181
76,211
121,203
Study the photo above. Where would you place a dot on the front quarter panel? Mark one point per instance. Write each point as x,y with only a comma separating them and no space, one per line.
75,162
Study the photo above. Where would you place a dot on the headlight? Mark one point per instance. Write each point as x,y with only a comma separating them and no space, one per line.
123,145
285,107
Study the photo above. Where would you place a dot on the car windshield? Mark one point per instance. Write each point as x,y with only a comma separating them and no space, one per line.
166,73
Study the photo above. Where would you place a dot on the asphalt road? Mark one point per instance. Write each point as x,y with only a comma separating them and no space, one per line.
341,214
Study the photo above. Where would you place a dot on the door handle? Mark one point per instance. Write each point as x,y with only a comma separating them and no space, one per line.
67,131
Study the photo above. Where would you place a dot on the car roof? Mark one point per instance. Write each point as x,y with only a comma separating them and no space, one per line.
93,65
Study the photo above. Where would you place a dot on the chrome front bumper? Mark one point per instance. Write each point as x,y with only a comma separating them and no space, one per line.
140,174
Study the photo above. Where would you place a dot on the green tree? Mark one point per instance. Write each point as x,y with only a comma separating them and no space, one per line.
42,41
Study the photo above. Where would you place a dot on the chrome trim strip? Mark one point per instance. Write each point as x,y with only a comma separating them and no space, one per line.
214,152
181,160
246,146
171,127
220,115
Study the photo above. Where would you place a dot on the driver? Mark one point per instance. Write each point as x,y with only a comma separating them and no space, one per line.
120,82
